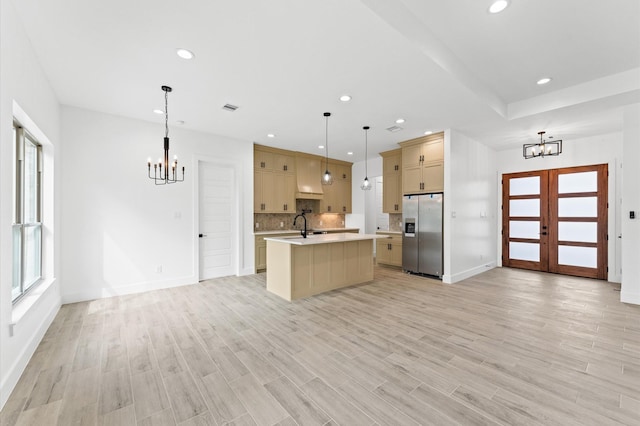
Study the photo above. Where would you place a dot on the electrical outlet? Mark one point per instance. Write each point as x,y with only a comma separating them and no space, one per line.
320,223
343,222
159,269
257,225
281,224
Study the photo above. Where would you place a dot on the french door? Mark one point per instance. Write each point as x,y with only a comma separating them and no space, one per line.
556,221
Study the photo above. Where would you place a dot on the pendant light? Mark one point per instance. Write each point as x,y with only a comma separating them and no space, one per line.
366,185
159,177
327,178
542,149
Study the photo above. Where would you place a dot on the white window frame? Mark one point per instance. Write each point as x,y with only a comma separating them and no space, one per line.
22,223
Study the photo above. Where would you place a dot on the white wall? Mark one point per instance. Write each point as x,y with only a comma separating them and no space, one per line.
22,81
598,149
469,207
357,218
118,227
630,290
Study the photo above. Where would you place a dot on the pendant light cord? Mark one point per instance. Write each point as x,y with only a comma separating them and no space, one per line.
166,114
366,153
326,141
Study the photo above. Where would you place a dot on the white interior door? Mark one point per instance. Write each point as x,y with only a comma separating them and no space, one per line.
218,227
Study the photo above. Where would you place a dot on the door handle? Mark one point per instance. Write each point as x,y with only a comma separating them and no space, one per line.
542,233
202,235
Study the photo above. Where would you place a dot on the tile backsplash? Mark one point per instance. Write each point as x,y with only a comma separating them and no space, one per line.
395,222
284,221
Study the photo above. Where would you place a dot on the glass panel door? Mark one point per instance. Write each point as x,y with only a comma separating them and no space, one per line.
556,221
524,220
578,211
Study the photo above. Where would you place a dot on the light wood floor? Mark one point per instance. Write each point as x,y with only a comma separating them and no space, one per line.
506,347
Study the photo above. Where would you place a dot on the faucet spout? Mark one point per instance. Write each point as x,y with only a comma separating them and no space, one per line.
303,232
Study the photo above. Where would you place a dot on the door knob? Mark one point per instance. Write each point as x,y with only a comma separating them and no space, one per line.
202,235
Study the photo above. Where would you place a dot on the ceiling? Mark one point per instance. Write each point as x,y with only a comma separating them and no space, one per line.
437,64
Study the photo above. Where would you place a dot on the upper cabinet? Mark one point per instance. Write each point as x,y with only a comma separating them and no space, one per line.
337,196
281,176
274,174
392,181
423,164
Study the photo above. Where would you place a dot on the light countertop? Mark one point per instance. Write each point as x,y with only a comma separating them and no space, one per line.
389,232
325,238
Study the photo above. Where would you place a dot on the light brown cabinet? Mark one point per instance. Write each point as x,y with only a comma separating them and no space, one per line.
274,181
281,176
261,249
297,271
392,181
337,197
423,164
389,250
263,195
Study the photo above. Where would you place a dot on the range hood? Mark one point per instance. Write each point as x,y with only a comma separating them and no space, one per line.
308,177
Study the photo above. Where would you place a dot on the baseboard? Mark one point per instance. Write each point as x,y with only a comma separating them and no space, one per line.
628,297
101,293
454,278
247,271
17,368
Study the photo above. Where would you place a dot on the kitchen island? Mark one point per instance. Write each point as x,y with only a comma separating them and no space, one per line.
300,267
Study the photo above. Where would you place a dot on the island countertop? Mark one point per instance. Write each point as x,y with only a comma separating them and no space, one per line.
324,238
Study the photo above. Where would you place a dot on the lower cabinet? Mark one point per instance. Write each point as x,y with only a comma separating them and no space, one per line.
261,250
323,267
389,250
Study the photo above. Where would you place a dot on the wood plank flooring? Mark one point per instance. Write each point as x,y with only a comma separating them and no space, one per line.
506,347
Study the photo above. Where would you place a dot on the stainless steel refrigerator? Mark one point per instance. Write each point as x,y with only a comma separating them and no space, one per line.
422,234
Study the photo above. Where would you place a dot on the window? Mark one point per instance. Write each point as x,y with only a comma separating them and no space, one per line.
27,226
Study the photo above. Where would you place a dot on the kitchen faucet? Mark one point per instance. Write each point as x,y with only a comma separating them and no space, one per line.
304,231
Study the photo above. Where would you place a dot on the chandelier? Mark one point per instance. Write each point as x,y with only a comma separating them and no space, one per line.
327,179
366,185
161,177
542,149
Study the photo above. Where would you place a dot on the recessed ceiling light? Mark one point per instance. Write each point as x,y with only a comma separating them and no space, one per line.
543,81
185,53
400,121
345,98
320,146
428,132
498,6
350,153
158,111
271,135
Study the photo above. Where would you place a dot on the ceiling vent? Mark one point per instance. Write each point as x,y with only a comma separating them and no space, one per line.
394,129
229,107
